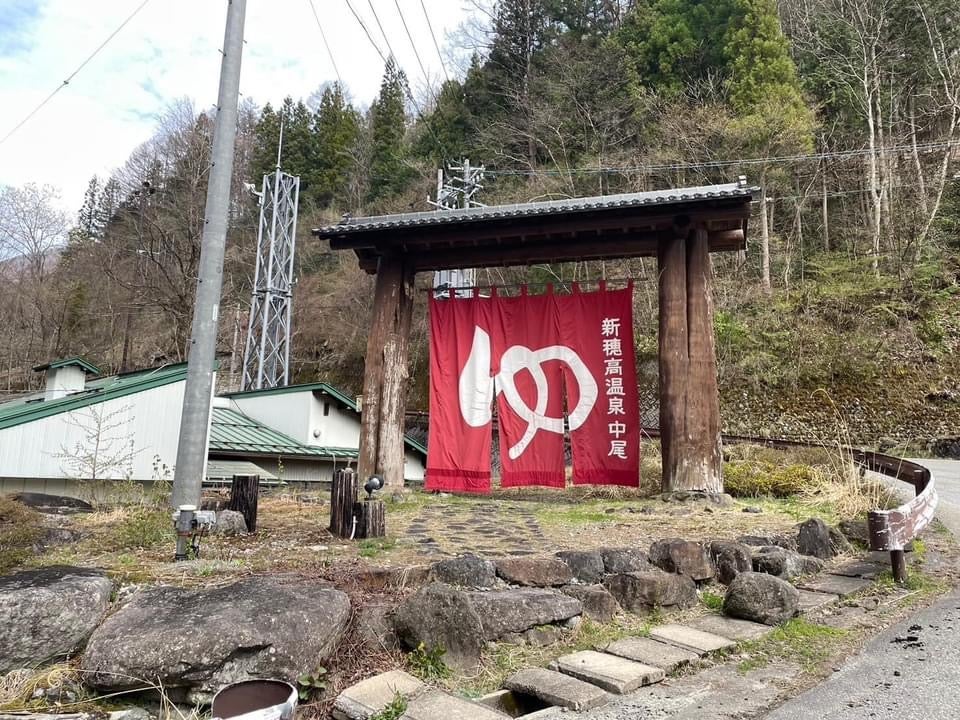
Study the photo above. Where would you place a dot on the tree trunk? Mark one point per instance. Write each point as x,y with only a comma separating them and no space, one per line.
764,244
244,496
390,446
826,216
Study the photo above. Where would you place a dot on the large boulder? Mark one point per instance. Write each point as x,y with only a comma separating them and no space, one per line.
586,565
439,615
642,591
731,559
534,572
624,560
598,603
683,557
785,564
467,570
813,539
516,610
197,641
855,531
788,542
761,598
230,523
49,613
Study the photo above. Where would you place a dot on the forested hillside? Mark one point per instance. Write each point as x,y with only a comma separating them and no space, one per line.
845,112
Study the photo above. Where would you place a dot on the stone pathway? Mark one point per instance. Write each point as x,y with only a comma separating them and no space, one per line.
588,679
491,529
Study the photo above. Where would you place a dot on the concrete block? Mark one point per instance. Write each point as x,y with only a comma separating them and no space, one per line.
731,628
616,674
837,585
555,688
437,705
651,652
810,600
691,639
370,696
860,569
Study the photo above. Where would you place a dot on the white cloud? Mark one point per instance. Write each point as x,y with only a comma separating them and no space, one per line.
171,50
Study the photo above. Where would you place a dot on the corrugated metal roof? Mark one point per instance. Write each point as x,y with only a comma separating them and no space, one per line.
33,407
552,207
233,432
221,470
333,392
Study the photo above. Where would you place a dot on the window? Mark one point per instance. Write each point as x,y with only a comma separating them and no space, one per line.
326,409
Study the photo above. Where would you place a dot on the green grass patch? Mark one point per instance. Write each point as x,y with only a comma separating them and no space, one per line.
797,640
712,600
142,528
394,709
916,581
373,547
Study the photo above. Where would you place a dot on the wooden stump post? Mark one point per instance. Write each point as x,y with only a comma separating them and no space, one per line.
343,496
372,522
244,495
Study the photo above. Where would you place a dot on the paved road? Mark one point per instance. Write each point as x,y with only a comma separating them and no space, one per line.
896,676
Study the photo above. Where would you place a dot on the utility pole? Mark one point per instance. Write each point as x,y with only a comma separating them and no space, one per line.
456,192
198,393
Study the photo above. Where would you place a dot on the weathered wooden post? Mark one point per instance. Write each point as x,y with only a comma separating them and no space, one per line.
244,496
372,518
385,373
689,399
343,497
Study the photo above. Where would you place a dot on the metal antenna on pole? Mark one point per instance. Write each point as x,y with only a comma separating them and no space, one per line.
453,192
198,392
266,355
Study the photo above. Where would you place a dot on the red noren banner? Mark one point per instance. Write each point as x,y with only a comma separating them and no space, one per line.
533,352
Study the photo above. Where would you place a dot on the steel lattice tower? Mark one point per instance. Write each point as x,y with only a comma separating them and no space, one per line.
266,357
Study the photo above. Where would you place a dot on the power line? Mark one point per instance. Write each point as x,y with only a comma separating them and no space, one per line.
72,75
416,52
367,32
323,35
709,164
435,43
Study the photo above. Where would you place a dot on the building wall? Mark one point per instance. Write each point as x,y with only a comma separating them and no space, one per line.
287,412
143,425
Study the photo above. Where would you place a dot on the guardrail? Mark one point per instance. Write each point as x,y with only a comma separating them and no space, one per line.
888,530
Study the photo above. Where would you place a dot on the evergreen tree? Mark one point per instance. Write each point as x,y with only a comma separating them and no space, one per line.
336,131
389,170
450,132
89,225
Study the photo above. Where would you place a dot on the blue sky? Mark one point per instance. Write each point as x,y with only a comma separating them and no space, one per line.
168,51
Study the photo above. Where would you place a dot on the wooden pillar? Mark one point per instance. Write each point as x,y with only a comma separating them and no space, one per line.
689,399
703,471
672,266
385,373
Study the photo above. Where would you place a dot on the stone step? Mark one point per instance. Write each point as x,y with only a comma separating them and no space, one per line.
731,628
370,696
691,639
837,585
555,688
651,652
438,705
810,600
858,568
616,674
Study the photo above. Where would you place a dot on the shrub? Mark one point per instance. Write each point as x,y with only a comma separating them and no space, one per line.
427,663
753,478
20,529
142,527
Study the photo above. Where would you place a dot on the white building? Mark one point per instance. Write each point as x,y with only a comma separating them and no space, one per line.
85,428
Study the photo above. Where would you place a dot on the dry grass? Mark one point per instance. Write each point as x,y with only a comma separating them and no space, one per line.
20,529
17,688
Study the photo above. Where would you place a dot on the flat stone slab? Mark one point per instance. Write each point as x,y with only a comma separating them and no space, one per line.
651,652
837,585
732,628
858,568
370,696
556,688
689,638
437,705
810,600
616,674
